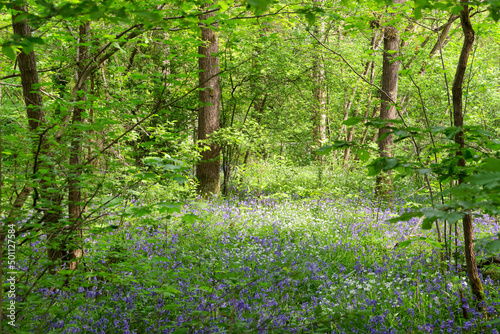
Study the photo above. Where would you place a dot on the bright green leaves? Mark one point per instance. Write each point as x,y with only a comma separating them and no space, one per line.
363,154
25,44
423,5
336,145
353,121
454,7
166,291
491,164
429,241
494,9
260,6
405,217
487,179
490,246
8,51
165,168
431,215
310,13
382,164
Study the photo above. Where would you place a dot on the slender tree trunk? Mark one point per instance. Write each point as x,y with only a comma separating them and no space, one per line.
208,171
442,37
458,121
387,108
74,186
319,112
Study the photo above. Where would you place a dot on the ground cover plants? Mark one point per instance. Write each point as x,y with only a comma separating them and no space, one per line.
259,265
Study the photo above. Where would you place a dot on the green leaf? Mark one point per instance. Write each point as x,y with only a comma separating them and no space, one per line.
363,154
190,218
493,322
492,179
390,163
492,247
406,216
110,201
206,288
406,243
492,164
427,223
353,120
423,171
433,214
65,272
259,5
457,9
169,207
376,166
180,179
417,13
9,52
437,129
383,136
324,150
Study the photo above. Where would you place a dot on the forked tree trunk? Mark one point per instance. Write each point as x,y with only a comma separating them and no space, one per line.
208,171
458,121
389,94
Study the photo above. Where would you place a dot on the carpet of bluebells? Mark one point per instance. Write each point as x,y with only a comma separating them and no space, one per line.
258,265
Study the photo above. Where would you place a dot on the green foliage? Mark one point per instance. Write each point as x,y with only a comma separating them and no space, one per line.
281,179
139,147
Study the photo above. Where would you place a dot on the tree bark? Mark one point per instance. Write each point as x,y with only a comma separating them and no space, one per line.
319,111
208,171
389,94
74,187
441,41
458,121
29,72
34,104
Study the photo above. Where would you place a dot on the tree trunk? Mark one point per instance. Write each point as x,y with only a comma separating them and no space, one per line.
458,121
319,112
33,100
29,72
389,94
74,187
208,171
441,41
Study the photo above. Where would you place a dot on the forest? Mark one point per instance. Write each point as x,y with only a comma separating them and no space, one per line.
250,166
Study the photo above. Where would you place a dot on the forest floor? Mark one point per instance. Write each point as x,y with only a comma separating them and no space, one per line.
259,265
